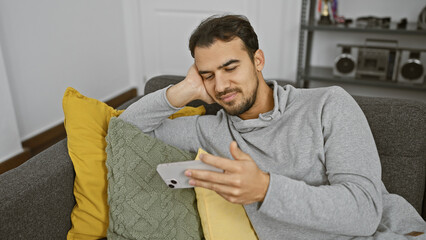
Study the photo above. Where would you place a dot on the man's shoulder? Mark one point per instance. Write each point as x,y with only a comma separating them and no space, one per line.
314,100
323,94
322,90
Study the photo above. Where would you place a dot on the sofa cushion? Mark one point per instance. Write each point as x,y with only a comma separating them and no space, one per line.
142,206
222,219
398,127
36,197
86,123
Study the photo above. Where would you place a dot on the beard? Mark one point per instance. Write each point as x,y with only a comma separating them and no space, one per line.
235,109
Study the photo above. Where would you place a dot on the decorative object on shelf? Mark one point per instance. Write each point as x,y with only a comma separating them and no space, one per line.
324,9
373,22
346,21
402,24
328,13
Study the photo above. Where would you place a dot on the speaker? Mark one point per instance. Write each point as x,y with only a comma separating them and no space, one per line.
412,66
346,62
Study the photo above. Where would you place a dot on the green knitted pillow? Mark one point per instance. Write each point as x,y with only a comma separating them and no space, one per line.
141,205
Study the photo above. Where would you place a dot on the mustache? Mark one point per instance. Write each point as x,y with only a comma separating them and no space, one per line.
226,91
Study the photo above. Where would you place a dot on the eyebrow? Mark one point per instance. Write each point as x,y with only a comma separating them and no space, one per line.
222,66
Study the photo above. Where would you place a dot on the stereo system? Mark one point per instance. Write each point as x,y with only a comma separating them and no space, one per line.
383,63
412,67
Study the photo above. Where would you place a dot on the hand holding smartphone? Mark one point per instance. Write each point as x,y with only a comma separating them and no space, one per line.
173,174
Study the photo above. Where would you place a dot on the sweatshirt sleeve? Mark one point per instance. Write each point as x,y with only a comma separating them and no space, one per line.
352,202
150,114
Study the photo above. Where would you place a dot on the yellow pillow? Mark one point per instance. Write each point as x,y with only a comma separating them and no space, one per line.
189,111
221,219
86,123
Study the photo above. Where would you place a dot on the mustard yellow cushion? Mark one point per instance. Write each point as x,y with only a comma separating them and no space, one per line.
221,219
86,124
189,111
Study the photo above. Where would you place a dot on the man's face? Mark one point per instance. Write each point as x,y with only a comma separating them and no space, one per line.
229,75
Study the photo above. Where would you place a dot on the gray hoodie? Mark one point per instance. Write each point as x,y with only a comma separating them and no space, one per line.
316,144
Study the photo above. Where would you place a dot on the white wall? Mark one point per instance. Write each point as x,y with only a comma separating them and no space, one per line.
165,27
278,34
10,143
49,45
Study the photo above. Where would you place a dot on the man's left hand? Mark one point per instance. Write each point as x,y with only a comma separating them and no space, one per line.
241,182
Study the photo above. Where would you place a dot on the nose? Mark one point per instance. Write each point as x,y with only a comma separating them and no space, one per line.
221,83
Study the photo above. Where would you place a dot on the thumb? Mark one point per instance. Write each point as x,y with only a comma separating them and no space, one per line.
237,153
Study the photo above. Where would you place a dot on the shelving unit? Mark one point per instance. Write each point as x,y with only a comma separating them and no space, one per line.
307,73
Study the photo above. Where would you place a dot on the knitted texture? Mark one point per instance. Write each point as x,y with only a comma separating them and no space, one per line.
141,205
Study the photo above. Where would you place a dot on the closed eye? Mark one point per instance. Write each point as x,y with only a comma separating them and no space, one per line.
208,77
230,69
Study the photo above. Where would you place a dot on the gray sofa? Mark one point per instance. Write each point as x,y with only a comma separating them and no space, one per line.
36,198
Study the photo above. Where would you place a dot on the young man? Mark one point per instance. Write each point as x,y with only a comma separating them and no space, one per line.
302,161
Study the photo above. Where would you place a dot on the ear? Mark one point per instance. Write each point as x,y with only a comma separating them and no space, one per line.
259,60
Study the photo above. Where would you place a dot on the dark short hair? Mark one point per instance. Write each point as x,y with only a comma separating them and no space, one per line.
224,28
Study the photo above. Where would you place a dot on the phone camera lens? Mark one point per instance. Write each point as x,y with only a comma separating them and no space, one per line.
171,186
173,181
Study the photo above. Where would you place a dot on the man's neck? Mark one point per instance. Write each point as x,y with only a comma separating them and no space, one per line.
264,102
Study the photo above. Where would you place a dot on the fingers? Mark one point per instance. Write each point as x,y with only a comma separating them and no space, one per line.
222,163
195,81
237,153
193,71
208,176
230,193
241,182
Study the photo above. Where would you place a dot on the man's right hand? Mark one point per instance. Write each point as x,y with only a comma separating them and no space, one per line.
191,88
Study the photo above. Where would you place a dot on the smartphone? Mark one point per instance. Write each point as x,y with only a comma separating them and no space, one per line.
173,174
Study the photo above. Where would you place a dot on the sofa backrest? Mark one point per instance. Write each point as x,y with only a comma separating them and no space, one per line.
399,129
